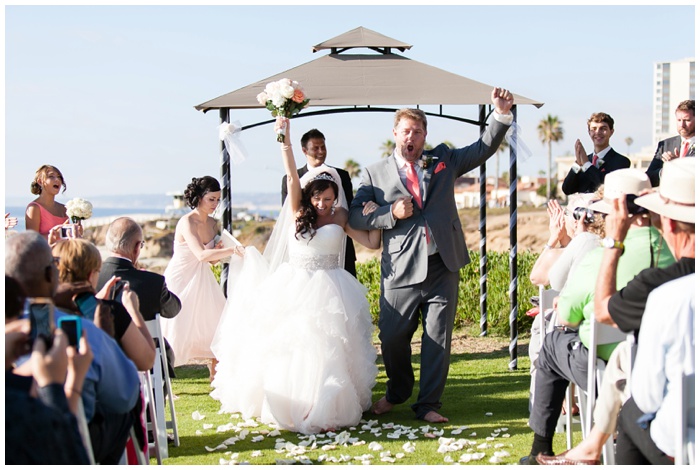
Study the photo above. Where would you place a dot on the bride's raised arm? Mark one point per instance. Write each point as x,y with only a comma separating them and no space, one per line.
290,167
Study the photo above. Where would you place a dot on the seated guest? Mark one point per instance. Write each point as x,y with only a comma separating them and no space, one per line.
650,420
573,233
41,430
124,241
673,209
111,386
588,171
564,354
79,265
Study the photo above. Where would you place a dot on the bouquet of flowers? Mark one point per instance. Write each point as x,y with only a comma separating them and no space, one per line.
284,98
78,209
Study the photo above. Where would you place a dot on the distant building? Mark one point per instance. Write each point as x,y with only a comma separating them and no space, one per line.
673,82
467,192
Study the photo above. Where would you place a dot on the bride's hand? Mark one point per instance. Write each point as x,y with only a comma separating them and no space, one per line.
240,251
369,207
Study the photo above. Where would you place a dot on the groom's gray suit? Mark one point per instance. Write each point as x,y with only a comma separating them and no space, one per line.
415,286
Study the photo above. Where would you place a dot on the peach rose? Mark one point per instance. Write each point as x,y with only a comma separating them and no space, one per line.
298,96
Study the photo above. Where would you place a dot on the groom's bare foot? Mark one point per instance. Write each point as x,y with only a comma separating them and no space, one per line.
382,406
434,417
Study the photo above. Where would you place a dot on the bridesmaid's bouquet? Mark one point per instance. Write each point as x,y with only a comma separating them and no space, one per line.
284,98
78,209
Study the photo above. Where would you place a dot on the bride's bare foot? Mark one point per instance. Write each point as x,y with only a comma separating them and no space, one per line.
434,417
382,406
212,369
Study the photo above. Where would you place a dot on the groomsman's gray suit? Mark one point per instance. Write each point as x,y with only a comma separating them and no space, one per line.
657,163
415,284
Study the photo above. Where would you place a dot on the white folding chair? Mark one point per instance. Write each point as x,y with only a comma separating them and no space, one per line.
600,334
160,378
156,428
85,431
685,447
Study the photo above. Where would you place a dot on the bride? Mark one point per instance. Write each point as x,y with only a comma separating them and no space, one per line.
294,344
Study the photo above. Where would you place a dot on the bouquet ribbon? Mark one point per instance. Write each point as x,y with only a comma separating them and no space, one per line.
229,133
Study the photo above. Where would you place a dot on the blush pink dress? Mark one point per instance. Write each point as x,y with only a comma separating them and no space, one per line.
48,220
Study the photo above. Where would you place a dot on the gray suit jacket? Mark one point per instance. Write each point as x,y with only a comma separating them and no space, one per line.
405,251
657,163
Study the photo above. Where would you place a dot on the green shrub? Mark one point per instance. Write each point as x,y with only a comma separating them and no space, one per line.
468,308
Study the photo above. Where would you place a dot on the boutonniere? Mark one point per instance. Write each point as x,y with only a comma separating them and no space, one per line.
427,160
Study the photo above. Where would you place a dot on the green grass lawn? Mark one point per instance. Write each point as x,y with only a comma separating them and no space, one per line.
485,402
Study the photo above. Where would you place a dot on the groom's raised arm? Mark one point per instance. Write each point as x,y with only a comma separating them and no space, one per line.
379,219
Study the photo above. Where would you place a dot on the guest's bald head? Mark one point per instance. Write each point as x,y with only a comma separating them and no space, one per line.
122,237
29,261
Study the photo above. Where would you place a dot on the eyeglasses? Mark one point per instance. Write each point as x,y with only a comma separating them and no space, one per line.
142,243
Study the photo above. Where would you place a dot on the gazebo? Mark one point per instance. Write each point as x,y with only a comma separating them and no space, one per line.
346,81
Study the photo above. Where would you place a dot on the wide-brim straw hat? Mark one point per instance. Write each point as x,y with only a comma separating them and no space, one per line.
675,197
620,183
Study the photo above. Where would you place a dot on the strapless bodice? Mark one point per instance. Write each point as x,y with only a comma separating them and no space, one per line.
320,252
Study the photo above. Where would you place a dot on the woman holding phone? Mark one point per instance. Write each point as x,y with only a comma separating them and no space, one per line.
79,263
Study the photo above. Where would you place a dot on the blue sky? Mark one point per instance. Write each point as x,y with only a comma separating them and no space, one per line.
107,94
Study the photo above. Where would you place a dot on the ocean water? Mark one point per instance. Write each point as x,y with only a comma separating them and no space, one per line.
99,212
17,211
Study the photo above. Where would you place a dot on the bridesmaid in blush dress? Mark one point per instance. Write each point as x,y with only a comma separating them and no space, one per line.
189,276
44,212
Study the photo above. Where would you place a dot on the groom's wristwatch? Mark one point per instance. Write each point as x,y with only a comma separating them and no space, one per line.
609,242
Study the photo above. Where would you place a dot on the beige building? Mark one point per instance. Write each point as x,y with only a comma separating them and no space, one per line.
673,82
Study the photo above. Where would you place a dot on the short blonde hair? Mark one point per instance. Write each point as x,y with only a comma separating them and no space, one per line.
41,174
79,258
411,113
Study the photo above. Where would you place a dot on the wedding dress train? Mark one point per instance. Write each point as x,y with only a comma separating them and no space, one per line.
295,346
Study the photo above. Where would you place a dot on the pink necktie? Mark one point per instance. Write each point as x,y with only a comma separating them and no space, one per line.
595,161
412,184
684,152
414,188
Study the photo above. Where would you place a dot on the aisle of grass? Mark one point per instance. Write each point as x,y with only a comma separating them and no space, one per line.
486,404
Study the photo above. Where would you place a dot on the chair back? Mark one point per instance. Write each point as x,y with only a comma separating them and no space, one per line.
685,440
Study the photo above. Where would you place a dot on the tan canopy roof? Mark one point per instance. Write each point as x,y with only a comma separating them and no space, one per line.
386,78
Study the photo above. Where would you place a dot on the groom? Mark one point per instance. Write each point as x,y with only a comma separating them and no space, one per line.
424,249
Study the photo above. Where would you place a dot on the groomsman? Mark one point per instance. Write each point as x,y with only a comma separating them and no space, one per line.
588,171
682,145
313,144
423,249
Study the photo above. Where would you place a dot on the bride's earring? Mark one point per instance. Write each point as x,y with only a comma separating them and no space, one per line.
333,210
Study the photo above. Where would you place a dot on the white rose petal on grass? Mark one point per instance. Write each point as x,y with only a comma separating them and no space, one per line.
256,453
197,416
224,462
273,433
388,459
478,455
400,455
257,438
498,446
455,432
448,459
212,449
506,435
483,446
495,459
409,447
198,432
472,434
488,413
501,453
375,446
207,426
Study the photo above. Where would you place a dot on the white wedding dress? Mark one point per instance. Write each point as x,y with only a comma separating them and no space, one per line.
296,348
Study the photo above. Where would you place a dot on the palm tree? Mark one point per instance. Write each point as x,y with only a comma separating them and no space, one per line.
550,130
628,141
387,148
352,167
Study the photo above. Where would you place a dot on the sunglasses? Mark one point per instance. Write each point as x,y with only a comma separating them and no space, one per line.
584,213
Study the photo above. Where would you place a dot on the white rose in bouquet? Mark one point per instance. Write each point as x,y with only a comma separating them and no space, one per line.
78,209
287,91
262,98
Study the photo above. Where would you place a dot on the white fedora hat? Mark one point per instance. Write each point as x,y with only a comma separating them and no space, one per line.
675,197
620,183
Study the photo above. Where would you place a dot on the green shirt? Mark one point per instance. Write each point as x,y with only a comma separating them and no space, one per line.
576,300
